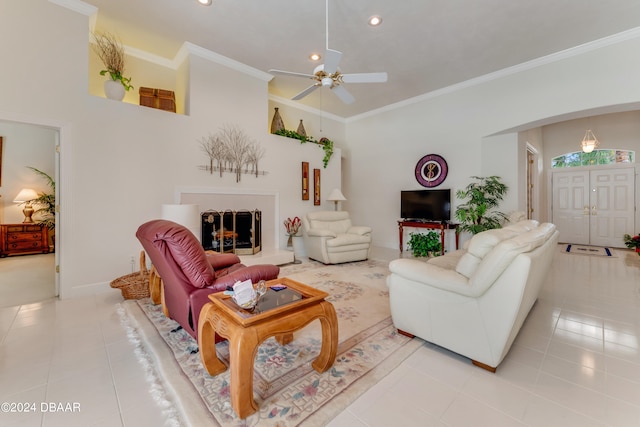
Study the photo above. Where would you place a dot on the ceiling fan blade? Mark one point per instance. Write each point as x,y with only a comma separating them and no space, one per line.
305,92
291,74
364,78
343,94
331,61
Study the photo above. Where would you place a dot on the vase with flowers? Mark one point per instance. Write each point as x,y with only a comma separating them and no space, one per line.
292,226
632,242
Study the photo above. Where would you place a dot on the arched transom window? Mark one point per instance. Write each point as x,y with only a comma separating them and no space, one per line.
596,157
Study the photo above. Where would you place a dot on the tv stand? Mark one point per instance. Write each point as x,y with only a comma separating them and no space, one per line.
417,223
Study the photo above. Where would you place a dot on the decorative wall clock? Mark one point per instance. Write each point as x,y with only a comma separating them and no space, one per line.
431,170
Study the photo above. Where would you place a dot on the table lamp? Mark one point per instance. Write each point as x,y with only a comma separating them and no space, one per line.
26,195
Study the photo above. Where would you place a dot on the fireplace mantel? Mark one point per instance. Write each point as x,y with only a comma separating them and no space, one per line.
268,202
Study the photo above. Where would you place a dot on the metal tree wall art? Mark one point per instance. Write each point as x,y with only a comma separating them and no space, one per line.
232,150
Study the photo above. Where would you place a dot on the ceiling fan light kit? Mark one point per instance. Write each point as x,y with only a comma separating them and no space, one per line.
329,75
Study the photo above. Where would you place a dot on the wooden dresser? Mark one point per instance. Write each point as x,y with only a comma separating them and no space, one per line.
18,239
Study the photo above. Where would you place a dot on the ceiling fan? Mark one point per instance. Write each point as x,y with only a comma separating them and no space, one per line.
329,75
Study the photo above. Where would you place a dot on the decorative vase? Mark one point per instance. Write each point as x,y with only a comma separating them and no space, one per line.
298,247
113,89
638,251
290,242
277,123
301,130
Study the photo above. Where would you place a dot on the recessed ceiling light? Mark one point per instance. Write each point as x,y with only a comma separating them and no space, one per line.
375,20
315,57
205,2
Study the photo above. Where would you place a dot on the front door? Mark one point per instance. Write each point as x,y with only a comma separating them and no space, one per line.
595,207
612,206
571,206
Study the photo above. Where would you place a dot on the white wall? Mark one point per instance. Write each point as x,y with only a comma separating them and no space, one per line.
24,146
454,123
120,162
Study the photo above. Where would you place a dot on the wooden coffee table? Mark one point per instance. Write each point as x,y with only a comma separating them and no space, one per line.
279,314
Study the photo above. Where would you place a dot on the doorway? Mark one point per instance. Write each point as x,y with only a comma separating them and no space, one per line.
594,206
27,278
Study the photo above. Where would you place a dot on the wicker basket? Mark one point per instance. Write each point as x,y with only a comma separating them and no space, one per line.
134,285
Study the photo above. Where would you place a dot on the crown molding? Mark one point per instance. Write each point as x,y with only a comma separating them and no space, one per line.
77,6
631,34
150,57
188,49
223,60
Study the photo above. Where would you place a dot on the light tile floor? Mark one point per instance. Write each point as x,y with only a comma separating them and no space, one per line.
576,362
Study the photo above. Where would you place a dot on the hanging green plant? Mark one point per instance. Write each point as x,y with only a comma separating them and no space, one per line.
325,143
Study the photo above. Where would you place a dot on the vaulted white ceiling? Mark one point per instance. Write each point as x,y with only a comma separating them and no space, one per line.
423,45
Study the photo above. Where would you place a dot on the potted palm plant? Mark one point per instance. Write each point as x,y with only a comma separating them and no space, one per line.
111,53
476,214
46,205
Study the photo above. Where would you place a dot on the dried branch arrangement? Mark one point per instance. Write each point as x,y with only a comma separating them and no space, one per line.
231,150
111,52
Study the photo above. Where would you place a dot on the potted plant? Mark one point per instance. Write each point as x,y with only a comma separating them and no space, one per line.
632,242
425,244
111,53
46,205
475,214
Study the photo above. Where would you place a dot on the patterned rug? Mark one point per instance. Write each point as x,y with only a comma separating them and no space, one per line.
286,388
588,250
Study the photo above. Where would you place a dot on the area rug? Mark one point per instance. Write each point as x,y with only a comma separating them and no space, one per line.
588,250
286,388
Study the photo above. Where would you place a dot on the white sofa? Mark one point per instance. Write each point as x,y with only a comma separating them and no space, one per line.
474,301
329,237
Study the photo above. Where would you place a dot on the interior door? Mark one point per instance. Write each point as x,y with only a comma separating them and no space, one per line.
595,207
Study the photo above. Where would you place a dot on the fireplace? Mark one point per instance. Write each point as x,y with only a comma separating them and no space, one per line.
238,232
265,201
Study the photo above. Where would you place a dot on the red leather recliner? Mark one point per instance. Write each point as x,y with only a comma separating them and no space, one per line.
188,274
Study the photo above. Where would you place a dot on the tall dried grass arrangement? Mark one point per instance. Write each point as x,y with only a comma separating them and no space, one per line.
111,52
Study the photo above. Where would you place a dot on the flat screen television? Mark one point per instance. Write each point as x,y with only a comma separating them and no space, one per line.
426,205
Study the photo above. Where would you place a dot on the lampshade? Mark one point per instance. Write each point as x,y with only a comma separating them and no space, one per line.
186,215
25,195
589,142
336,196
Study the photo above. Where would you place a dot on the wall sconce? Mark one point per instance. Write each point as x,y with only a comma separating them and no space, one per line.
589,142
26,195
336,196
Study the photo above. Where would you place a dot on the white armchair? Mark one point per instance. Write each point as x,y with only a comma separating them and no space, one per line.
330,238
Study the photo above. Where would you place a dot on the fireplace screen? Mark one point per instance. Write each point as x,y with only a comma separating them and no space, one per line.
238,232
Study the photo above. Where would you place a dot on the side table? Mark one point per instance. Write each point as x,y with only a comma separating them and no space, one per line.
20,239
442,226
278,314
